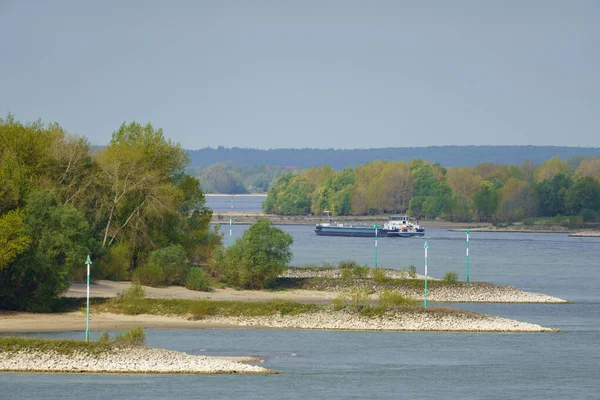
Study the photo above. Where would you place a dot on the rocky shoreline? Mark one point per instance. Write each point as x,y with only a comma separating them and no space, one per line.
125,361
458,292
415,319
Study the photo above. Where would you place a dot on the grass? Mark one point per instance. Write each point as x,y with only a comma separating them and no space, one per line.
200,309
132,337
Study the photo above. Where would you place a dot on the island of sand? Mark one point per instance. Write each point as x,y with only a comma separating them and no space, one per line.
39,355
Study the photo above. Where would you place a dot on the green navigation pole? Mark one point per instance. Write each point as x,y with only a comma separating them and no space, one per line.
87,317
426,292
230,229
376,227
467,259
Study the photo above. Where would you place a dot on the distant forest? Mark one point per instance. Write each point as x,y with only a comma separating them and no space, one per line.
447,156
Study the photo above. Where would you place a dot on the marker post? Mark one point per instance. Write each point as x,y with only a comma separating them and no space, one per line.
376,236
230,231
467,258
87,316
426,292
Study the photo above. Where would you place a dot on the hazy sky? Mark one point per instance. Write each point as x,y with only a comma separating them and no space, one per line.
341,74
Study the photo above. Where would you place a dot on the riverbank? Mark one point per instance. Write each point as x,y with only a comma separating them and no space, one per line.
122,360
248,218
433,319
323,285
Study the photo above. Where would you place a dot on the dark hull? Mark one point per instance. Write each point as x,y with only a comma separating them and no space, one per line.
350,231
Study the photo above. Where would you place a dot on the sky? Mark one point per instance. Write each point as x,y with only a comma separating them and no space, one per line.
313,73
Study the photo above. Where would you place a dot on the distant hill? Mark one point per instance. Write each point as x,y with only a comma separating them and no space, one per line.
448,156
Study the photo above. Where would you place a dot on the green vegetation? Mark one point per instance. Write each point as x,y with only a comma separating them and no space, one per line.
486,192
390,298
130,205
199,309
256,259
199,280
132,337
229,178
412,272
450,276
379,275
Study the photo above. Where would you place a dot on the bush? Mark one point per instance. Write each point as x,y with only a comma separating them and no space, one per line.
173,262
360,272
360,299
588,215
198,280
412,272
135,292
529,222
150,275
390,298
115,265
450,276
347,264
346,274
133,337
379,275
258,257
104,338
338,303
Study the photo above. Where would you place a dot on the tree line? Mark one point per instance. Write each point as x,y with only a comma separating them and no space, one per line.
485,192
448,156
230,178
128,205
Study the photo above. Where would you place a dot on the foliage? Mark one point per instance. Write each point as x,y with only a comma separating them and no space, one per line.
150,274
172,260
132,337
104,338
60,237
258,257
60,202
198,309
450,276
198,280
379,275
389,298
412,272
339,302
359,298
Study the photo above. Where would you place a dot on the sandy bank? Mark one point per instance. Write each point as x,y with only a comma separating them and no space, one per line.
124,360
326,290
586,234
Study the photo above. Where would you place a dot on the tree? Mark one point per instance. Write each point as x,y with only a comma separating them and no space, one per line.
486,201
259,256
550,168
589,167
137,169
13,240
60,237
551,194
584,194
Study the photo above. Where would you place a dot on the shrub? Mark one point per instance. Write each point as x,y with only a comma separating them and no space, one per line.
346,274
104,338
379,275
450,276
360,272
588,215
360,299
338,303
173,262
412,272
135,292
258,258
529,222
390,298
198,280
115,265
133,337
150,275
347,264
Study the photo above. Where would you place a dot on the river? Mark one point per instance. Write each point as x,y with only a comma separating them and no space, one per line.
381,365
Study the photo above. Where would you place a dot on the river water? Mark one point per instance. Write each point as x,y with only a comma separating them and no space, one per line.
381,365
